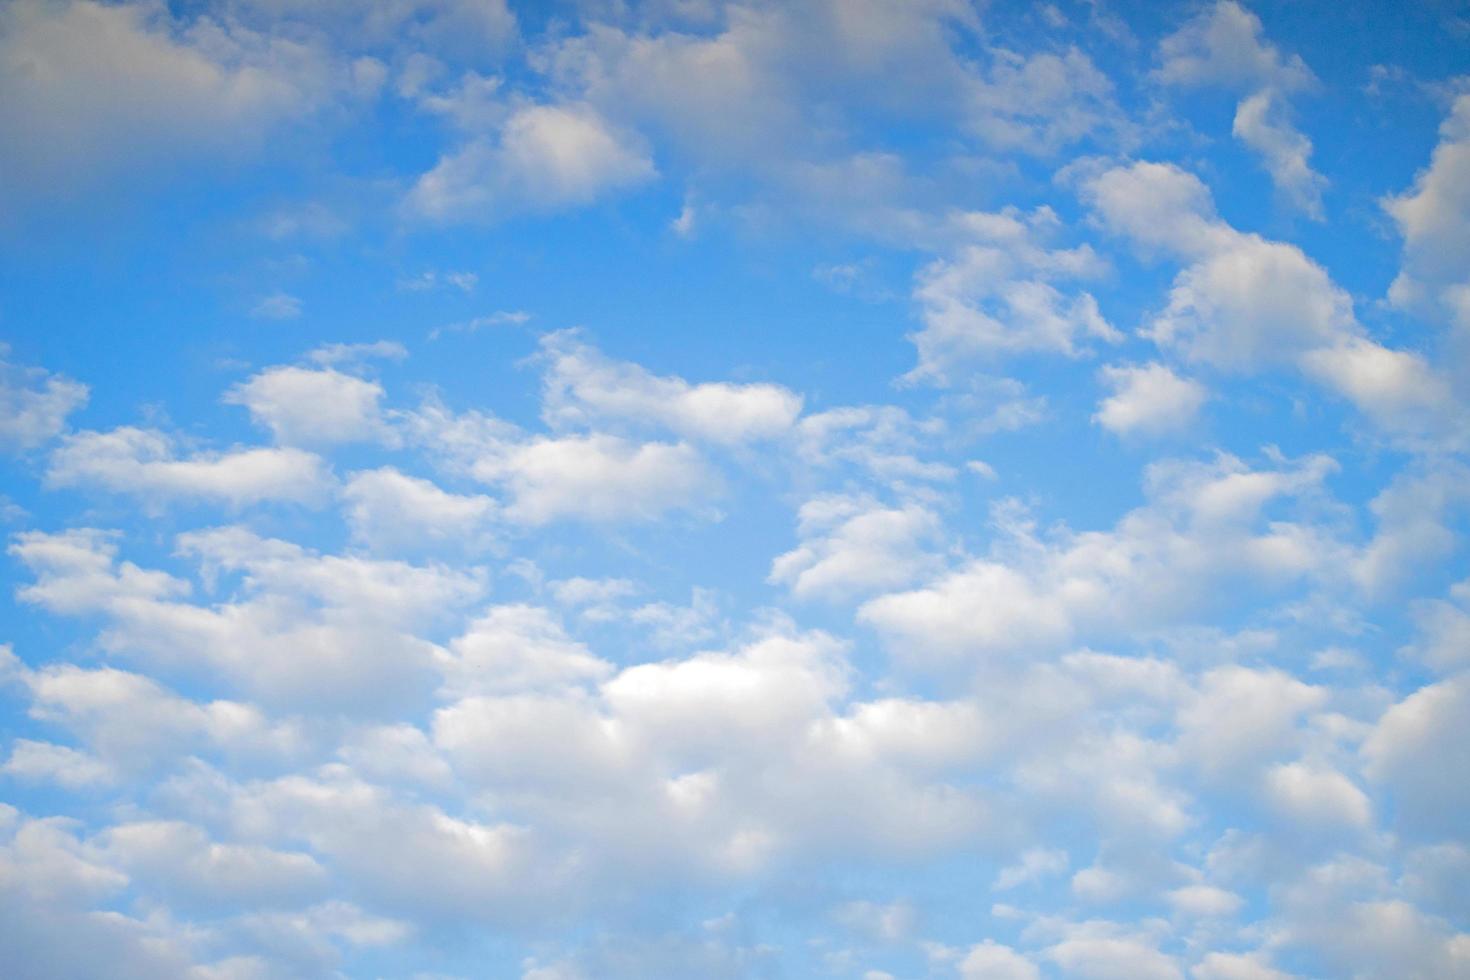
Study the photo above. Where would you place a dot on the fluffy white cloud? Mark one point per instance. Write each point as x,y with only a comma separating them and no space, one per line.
853,545
1317,796
1245,303
1434,218
34,404
545,157
1236,966
997,295
518,648
583,387
596,477
304,629
1105,951
1148,399
302,406
1204,525
144,463
100,88
392,511
1222,46
66,767
992,961
1416,746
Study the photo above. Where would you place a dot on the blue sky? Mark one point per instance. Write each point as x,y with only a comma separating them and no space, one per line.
853,488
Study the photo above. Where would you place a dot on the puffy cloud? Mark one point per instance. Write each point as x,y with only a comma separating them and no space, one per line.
852,545
144,463
1203,525
595,477
392,511
101,88
1260,124
546,157
1415,751
1240,718
583,387
34,404
1105,951
306,629
1434,218
302,406
1236,966
66,767
1245,303
1444,630
131,723
997,296
1317,796
1223,47
187,866
1149,399
992,961
518,648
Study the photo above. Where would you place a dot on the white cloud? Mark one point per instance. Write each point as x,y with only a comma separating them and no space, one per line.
304,406
47,762
187,866
851,545
1222,47
992,961
34,404
303,630
1434,218
517,648
1205,901
103,88
595,477
1240,718
392,511
1236,966
1317,796
1415,747
996,296
1148,399
143,462
546,157
1244,303
583,387
1104,951
1260,124
1203,525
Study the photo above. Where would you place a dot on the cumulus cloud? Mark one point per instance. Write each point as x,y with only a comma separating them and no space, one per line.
34,404
1434,218
545,157
850,545
101,88
998,296
146,464
1223,47
1204,525
305,406
392,511
584,387
1245,303
1148,399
